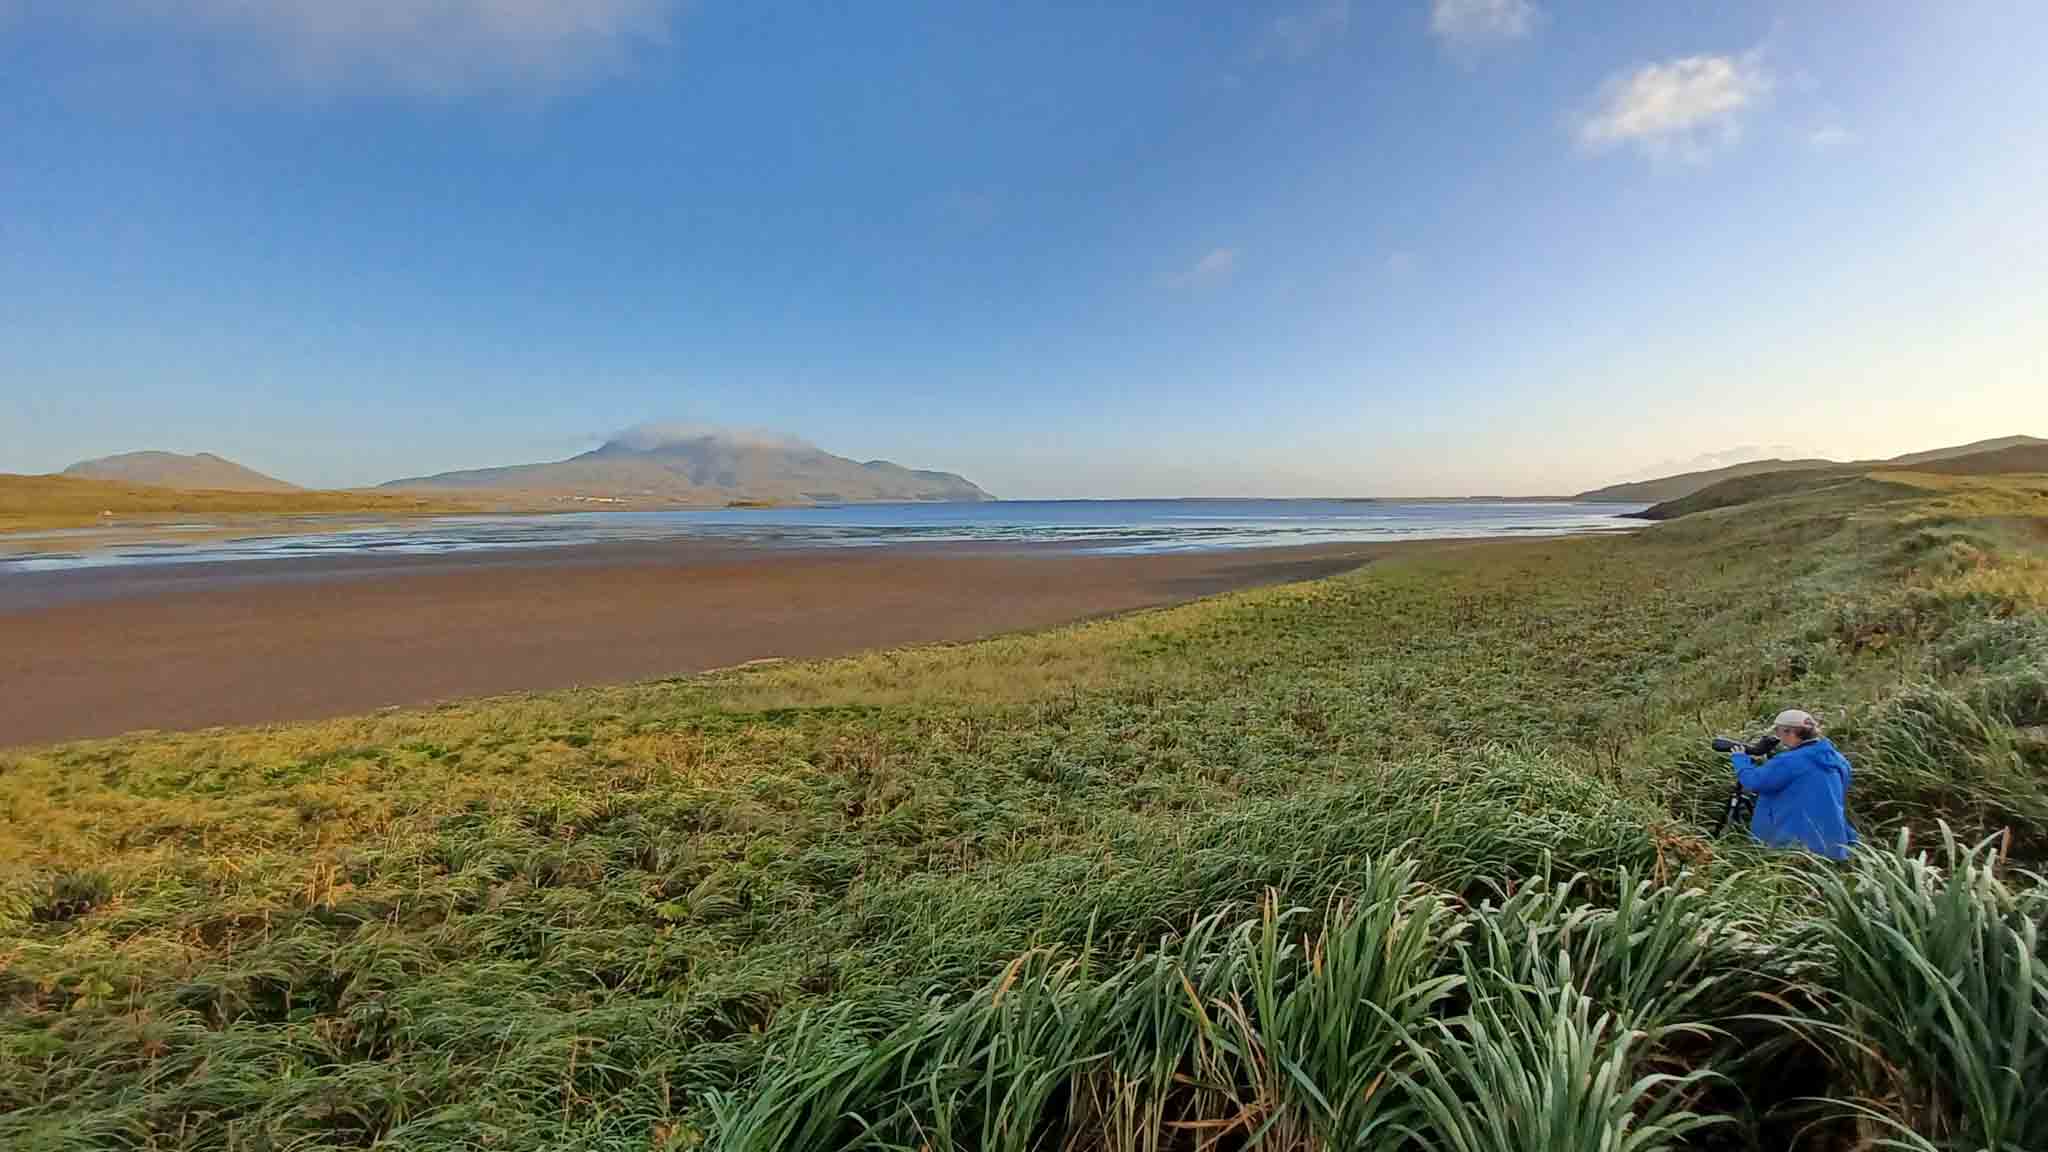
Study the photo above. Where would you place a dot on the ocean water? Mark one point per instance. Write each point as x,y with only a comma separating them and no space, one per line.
1088,525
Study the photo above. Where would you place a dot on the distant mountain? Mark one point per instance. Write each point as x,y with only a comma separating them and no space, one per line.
658,465
201,472
1981,455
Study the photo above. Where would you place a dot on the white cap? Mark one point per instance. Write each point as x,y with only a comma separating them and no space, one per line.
1794,718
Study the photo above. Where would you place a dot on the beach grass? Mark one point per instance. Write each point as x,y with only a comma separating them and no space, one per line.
1416,856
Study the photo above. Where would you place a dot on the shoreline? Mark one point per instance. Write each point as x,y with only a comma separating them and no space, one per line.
101,652
1146,525
35,589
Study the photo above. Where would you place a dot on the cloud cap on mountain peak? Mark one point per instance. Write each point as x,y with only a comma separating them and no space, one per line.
654,436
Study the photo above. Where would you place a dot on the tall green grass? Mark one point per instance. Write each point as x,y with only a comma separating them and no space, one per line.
1282,1030
1377,1022
1940,994
1529,1066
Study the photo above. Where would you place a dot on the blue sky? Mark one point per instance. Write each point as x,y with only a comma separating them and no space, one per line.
1440,246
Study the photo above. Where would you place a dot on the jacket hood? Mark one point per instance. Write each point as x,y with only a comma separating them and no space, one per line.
1825,753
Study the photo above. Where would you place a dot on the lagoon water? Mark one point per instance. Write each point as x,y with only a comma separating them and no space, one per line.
1088,525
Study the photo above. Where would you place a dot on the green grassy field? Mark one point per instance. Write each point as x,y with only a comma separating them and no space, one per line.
1412,857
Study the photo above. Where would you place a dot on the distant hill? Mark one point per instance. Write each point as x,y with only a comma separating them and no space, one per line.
40,502
1748,489
1979,448
2009,456
1686,483
656,465
203,471
1668,488
2031,456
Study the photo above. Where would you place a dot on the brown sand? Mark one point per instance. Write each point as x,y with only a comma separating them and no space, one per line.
86,654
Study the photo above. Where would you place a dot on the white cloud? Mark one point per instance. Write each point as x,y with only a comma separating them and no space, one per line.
423,45
1303,31
1477,21
1687,104
1213,270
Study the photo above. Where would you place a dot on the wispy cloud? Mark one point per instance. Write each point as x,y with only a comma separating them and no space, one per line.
1828,137
430,46
1466,22
1686,105
1303,31
1213,270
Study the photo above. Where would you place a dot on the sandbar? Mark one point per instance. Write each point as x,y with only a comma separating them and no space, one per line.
98,653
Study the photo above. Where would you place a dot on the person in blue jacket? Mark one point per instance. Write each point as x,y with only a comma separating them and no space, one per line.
1800,791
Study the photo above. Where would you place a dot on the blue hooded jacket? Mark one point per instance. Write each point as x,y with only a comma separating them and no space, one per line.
1799,798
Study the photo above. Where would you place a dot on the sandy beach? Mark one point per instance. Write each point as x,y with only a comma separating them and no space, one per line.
99,653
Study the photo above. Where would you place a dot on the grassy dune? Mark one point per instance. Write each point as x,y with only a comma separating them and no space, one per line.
1412,857
1966,492
30,503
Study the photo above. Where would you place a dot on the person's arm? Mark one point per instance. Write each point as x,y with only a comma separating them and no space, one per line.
1770,776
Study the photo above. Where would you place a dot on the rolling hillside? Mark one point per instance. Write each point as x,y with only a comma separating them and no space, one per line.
2003,454
1976,448
2027,457
1975,471
1686,483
